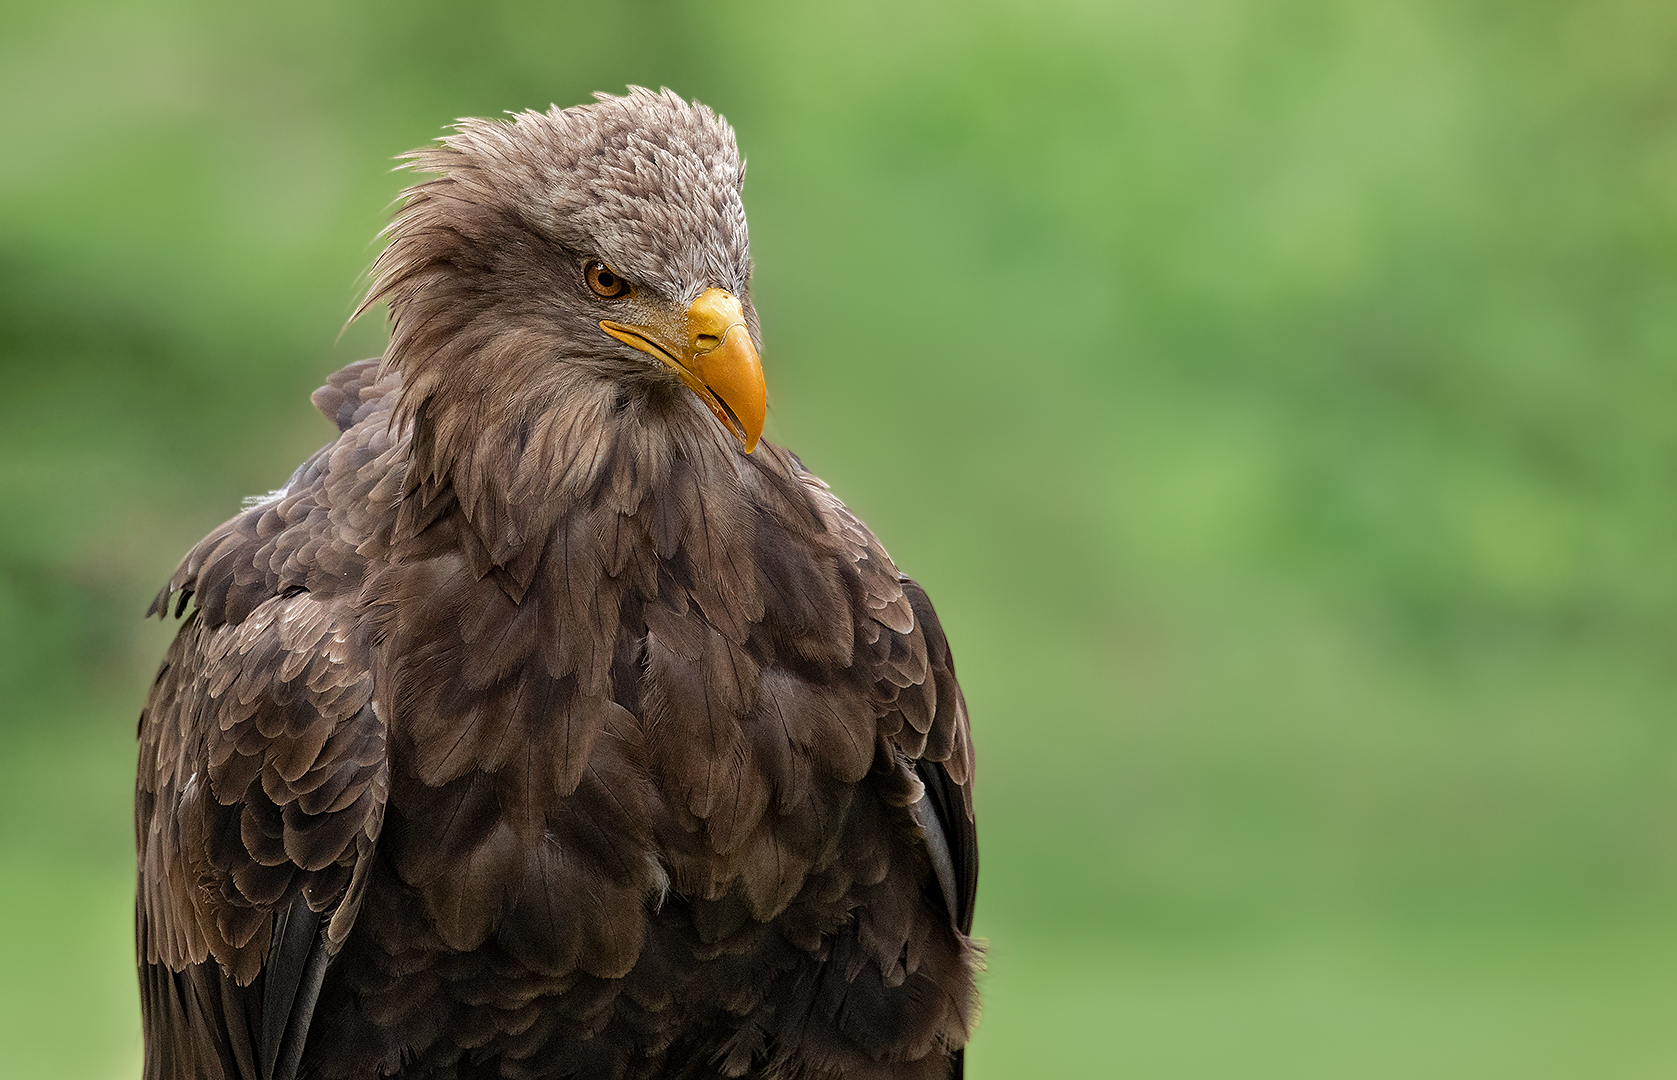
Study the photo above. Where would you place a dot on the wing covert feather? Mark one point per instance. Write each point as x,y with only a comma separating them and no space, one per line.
261,792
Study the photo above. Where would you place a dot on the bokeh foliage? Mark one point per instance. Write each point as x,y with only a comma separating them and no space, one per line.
1276,398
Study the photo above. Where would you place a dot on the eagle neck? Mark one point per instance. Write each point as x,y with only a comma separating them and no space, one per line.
594,484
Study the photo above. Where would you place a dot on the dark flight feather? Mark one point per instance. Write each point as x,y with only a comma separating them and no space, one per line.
534,729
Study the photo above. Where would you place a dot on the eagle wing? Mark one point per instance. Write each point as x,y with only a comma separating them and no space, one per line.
923,724
261,785
923,712
944,809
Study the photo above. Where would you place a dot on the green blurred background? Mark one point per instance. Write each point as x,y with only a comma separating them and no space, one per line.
1276,398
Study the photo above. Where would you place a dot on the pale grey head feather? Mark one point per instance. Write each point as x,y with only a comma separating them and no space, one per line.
646,182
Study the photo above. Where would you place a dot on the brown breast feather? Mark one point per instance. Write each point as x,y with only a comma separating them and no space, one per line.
651,786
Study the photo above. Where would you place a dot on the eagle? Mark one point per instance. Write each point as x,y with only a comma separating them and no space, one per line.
548,722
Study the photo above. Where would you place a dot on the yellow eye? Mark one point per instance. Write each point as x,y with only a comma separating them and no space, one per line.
606,282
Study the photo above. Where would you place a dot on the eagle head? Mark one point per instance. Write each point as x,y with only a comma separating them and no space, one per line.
597,250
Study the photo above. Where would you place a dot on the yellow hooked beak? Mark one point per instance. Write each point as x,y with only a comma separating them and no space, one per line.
715,359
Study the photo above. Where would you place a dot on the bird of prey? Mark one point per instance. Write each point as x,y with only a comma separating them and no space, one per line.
548,723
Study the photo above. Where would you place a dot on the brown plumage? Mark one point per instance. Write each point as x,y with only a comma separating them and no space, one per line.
543,725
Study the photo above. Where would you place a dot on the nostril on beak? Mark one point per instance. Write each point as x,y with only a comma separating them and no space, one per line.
706,342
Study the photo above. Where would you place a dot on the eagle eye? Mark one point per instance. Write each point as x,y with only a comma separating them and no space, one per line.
607,283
